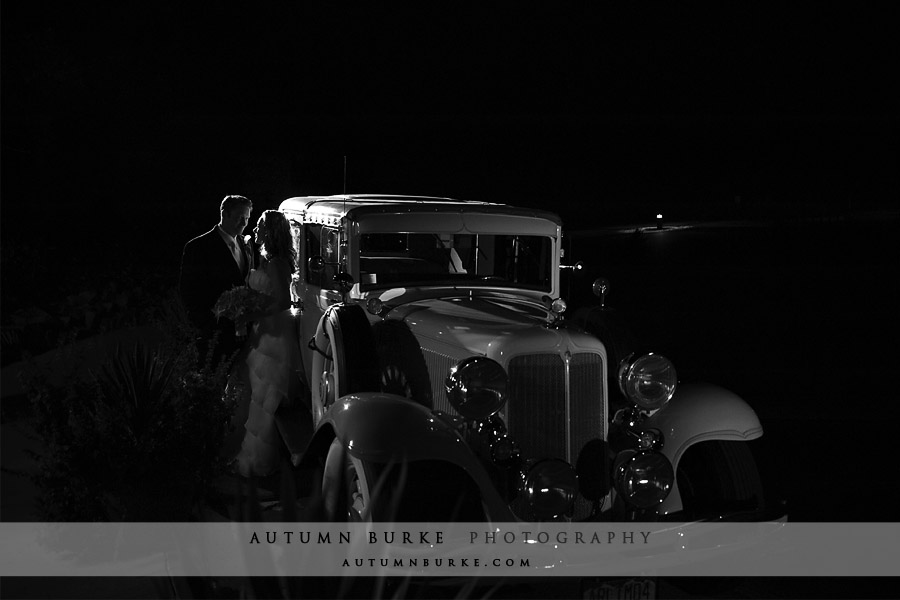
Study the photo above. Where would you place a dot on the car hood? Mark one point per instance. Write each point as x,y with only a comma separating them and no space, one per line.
482,324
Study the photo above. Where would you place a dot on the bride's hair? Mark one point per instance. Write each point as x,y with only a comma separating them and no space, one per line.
278,242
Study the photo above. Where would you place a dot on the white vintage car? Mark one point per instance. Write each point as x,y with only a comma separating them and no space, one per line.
449,383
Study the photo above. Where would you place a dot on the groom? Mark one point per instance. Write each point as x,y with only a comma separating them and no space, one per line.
210,264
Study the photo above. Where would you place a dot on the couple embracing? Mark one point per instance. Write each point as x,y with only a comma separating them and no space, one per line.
267,361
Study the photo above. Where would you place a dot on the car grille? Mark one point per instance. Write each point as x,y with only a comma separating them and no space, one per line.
540,420
536,407
536,413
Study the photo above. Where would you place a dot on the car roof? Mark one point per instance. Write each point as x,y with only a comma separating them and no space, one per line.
360,204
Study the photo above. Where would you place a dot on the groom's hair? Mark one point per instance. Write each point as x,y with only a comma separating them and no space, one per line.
229,203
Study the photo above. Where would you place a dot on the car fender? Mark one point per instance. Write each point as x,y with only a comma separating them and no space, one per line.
383,427
698,413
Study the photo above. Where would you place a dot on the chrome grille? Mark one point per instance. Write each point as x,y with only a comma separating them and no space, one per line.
536,408
587,411
540,419
537,414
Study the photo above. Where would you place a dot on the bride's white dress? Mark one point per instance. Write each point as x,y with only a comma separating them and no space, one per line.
272,365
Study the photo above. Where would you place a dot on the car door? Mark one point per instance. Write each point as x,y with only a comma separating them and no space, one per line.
315,288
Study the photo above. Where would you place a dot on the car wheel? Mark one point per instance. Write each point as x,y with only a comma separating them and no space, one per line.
719,479
351,489
344,361
401,366
355,490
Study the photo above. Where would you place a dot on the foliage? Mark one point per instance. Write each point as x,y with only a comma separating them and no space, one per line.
137,439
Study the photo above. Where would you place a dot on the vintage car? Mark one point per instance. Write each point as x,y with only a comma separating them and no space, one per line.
449,383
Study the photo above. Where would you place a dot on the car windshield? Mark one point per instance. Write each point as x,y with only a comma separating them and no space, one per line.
410,259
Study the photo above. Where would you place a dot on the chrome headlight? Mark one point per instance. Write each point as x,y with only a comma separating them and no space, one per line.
550,486
476,387
648,380
644,479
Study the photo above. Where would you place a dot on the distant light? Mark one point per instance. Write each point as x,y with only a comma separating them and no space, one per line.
659,215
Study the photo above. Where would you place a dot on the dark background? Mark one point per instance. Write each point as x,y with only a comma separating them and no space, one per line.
146,115
773,130
123,126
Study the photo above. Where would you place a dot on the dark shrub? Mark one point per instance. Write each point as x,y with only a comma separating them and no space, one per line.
138,439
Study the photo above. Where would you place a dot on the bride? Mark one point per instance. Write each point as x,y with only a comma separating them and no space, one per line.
273,359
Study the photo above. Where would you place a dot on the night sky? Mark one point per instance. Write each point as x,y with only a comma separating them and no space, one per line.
148,114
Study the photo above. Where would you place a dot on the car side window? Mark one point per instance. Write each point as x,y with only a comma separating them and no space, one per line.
324,242
297,241
313,246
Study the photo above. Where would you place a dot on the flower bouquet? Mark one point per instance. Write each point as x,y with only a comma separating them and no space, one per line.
240,301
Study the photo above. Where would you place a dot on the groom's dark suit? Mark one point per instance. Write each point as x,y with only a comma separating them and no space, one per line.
208,268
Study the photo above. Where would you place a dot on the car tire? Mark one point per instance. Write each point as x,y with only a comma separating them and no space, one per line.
344,358
401,365
355,490
352,490
719,479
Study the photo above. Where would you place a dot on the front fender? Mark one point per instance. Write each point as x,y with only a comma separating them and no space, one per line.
380,427
383,427
697,413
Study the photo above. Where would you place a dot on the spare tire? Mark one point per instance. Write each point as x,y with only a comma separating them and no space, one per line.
344,359
401,365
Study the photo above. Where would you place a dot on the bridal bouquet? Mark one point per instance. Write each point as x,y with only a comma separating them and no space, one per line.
240,301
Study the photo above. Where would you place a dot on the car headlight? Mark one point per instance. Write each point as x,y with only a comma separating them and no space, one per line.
550,487
648,380
644,479
476,387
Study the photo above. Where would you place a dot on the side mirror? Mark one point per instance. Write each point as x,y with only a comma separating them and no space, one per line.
601,289
576,268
